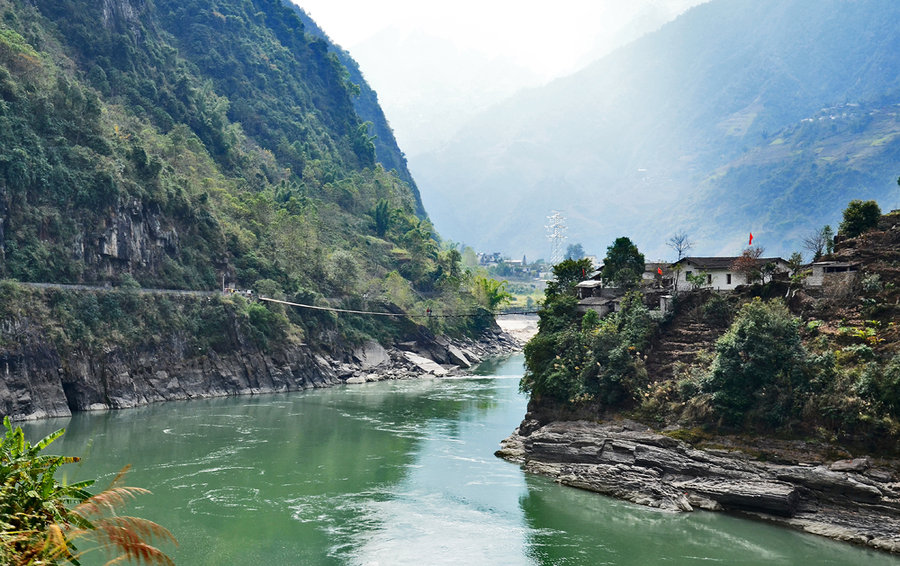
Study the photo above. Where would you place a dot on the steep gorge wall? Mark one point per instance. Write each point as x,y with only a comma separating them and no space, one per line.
79,349
40,380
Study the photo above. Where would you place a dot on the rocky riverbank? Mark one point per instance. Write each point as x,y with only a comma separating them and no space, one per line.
40,381
854,500
427,357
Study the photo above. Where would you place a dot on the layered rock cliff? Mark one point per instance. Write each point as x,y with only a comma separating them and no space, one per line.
119,348
854,500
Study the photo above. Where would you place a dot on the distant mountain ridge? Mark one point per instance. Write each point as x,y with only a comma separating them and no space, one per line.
623,146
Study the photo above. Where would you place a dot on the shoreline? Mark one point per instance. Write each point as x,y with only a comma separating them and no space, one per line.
42,382
856,501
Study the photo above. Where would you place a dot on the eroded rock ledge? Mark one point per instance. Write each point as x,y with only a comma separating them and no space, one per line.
38,381
849,500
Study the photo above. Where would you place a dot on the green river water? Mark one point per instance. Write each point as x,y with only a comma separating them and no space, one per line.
390,473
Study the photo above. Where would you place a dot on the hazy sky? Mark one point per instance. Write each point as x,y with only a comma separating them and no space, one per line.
550,38
437,64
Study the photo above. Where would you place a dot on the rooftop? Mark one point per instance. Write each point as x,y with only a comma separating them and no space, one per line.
721,262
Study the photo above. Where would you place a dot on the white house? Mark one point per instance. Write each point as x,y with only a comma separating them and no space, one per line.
719,274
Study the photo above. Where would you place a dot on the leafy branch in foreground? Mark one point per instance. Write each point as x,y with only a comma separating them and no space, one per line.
41,519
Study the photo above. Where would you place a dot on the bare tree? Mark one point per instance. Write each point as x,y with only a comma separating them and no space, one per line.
748,264
680,243
819,241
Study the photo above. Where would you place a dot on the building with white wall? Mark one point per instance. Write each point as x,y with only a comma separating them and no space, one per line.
718,271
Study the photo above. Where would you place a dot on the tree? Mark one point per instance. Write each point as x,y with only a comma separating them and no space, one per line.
623,264
819,241
696,280
795,262
759,363
490,292
859,216
469,257
574,251
680,243
568,273
748,264
382,217
829,238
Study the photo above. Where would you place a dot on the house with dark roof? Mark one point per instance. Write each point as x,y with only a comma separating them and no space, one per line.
718,271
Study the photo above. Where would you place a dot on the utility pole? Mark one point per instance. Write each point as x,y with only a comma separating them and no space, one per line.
556,233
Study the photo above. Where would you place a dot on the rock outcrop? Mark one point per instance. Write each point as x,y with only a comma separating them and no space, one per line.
850,500
40,381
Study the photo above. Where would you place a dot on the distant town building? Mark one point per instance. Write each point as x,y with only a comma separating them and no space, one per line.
492,258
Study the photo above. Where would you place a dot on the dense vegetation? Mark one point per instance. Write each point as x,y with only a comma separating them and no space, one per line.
186,144
582,358
812,366
366,104
859,216
623,264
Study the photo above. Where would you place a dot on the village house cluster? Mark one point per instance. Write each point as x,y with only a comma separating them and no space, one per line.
721,274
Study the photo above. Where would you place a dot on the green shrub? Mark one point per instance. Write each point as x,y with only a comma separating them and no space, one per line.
590,321
759,364
267,325
717,311
880,385
871,283
597,358
550,371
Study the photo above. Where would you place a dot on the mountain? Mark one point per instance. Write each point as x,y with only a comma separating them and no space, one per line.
185,146
154,152
387,152
711,125
187,143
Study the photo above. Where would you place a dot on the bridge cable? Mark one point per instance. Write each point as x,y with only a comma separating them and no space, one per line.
389,314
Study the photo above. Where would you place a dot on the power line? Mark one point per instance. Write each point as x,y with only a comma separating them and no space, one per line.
390,314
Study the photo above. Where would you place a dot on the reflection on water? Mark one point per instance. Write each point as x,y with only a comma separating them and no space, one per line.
389,473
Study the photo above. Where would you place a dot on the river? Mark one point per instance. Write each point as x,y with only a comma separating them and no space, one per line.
390,473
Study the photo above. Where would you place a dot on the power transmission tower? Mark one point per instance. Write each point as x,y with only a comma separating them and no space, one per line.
556,233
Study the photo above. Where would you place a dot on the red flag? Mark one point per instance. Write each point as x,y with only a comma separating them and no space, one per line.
751,239
659,270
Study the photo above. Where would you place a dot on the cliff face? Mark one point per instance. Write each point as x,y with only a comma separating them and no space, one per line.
74,348
132,237
42,378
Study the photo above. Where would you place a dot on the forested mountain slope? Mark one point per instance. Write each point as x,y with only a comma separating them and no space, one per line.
629,140
184,142
187,145
366,103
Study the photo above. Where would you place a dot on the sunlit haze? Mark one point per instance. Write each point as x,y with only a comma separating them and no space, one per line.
436,65
549,38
